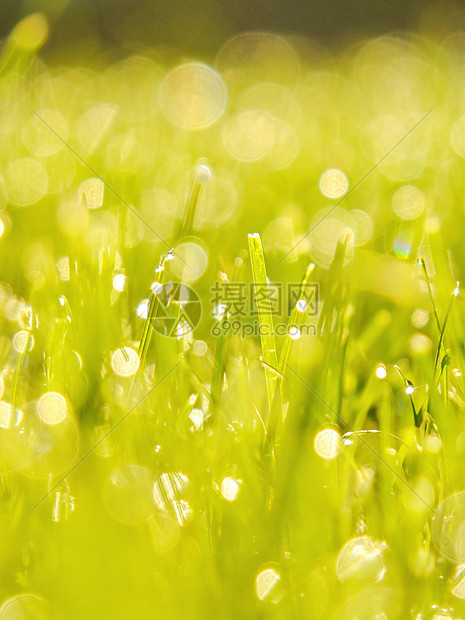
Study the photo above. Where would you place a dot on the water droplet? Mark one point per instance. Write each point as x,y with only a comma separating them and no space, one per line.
294,332
202,173
361,558
327,443
23,341
125,361
120,282
229,488
218,311
268,585
381,371
143,309
156,288
197,417
301,305
361,525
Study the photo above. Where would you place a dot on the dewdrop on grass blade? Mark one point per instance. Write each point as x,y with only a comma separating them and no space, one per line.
268,586
23,341
409,390
294,332
381,371
125,361
203,173
362,559
197,417
120,282
142,310
328,443
229,488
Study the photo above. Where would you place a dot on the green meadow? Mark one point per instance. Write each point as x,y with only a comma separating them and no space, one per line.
232,331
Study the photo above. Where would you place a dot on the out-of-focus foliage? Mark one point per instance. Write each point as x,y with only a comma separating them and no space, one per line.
148,473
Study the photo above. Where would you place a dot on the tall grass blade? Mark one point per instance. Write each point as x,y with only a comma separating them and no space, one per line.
265,316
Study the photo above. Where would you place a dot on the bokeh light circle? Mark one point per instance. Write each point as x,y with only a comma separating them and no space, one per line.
26,181
193,96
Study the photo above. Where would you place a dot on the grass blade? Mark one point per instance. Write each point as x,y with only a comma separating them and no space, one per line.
265,316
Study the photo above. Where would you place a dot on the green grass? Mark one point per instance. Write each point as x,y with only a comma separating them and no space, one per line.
217,474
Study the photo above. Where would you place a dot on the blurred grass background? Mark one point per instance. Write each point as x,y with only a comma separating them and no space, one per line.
105,26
